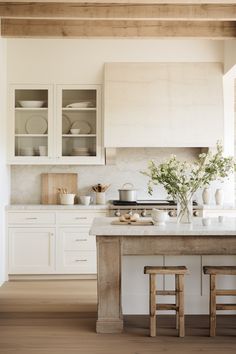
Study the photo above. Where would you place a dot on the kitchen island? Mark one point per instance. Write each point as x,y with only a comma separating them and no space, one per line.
115,241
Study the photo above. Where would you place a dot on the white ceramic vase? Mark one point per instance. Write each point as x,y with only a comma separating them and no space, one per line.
206,196
219,196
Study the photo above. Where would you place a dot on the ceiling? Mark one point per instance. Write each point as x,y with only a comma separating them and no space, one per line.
212,19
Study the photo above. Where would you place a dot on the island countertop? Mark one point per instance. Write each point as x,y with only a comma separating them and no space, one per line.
103,227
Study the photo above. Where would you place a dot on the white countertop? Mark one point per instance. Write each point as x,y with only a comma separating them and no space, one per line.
19,207
103,227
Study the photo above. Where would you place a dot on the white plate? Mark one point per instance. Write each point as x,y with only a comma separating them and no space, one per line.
84,104
85,127
66,124
36,124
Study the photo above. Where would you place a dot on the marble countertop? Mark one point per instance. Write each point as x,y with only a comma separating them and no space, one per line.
22,207
103,227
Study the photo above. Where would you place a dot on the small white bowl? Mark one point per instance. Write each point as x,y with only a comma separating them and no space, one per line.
75,131
31,104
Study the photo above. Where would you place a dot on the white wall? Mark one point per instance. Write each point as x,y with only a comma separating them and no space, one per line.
4,176
229,54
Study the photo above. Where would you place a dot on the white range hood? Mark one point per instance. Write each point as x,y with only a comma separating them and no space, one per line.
163,104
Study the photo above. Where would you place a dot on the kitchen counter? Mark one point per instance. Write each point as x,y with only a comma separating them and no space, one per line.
103,227
22,207
115,241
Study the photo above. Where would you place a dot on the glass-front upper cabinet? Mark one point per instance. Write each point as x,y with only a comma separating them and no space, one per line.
31,123
79,129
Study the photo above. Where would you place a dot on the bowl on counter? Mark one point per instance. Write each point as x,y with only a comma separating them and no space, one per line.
31,104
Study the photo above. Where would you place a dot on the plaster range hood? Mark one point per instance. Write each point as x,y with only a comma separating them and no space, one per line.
162,105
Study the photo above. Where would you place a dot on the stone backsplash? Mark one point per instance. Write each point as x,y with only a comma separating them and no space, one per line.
26,182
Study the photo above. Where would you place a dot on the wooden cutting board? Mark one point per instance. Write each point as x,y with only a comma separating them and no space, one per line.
50,182
135,223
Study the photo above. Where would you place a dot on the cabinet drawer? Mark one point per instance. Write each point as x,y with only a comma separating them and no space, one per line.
80,261
77,239
31,218
79,218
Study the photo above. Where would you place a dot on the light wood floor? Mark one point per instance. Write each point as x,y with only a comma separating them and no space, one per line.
59,317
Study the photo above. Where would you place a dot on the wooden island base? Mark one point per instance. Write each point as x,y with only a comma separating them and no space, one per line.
110,250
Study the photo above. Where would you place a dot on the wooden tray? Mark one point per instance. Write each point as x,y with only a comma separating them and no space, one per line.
135,223
50,182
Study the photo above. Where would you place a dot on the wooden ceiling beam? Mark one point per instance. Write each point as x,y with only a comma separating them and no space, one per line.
19,28
125,11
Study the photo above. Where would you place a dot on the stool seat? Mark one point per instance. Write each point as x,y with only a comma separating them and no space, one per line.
178,307
165,270
224,270
213,271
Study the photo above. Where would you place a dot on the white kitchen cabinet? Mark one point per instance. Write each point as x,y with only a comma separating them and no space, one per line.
42,135
163,104
54,241
76,251
31,250
30,127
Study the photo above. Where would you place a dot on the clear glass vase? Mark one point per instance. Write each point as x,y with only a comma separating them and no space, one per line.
185,209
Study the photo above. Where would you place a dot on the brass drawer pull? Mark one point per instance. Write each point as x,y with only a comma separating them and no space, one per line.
81,239
81,218
32,218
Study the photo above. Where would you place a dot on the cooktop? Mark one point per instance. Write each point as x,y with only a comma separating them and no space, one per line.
147,202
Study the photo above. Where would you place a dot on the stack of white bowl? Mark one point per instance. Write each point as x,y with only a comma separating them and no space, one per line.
27,151
80,151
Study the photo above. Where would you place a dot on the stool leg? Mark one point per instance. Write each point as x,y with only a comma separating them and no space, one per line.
152,304
212,305
181,305
177,301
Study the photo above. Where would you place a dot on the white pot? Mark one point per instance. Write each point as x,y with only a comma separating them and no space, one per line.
159,216
67,199
206,196
219,196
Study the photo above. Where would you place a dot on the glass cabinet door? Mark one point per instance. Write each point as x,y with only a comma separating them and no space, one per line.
31,123
79,123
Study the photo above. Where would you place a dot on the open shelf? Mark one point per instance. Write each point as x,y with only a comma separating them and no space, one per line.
79,109
79,135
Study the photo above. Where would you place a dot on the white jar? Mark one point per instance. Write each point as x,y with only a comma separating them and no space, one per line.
100,198
219,196
67,199
206,196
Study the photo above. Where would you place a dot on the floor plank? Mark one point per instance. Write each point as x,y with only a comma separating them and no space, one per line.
30,323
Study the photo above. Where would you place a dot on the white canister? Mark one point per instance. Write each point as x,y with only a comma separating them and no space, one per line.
219,196
67,199
100,198
159,216
85,199
206,196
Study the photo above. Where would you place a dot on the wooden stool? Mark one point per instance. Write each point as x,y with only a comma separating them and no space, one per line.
213,272
179,273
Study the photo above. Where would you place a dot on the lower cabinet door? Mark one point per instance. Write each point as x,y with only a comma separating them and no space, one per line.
76,252
31,250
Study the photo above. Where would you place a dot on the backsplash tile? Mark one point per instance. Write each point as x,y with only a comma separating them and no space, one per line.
26,182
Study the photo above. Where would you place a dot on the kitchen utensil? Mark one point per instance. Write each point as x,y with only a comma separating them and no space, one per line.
31,104
159,216
43,150
75,131
127,193
100,198
27,151
85,199
51,182
85,127
82,104
66,124
133,223
67,199
36,124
